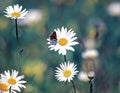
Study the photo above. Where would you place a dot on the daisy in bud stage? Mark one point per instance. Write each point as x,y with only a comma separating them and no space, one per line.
13,80
15,12
66,72
62,40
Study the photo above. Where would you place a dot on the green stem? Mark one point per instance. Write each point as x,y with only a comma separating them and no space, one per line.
91,86
19,62
16,27
65,58
17,44
73,86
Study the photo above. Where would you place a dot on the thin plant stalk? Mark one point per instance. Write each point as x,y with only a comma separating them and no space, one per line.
91,77
73,85
16,28
17,44
65,59
91,86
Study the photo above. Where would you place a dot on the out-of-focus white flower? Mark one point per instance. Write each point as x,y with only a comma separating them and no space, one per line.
90,54
34,16
91,74
66,72
15,11
83,76
114,9
64,40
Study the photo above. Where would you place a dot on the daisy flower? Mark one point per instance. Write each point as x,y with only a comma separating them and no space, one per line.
66,72
90,54
4,88
62,40
13,80
83,76
15,12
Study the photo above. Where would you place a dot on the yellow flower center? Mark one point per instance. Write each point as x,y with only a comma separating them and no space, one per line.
62,41
12,81
67,73
15,14
3,87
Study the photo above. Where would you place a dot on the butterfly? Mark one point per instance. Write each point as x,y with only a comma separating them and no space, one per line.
53,38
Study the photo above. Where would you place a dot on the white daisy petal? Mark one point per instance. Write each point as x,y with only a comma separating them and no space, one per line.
71,48
19,77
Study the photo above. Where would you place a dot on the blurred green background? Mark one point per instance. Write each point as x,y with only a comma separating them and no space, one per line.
38,63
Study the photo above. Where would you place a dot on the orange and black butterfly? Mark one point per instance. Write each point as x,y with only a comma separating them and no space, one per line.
53,38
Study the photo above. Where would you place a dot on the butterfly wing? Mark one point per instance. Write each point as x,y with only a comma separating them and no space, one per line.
53,38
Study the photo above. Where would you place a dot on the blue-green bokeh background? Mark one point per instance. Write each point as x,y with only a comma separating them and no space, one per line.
38,63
